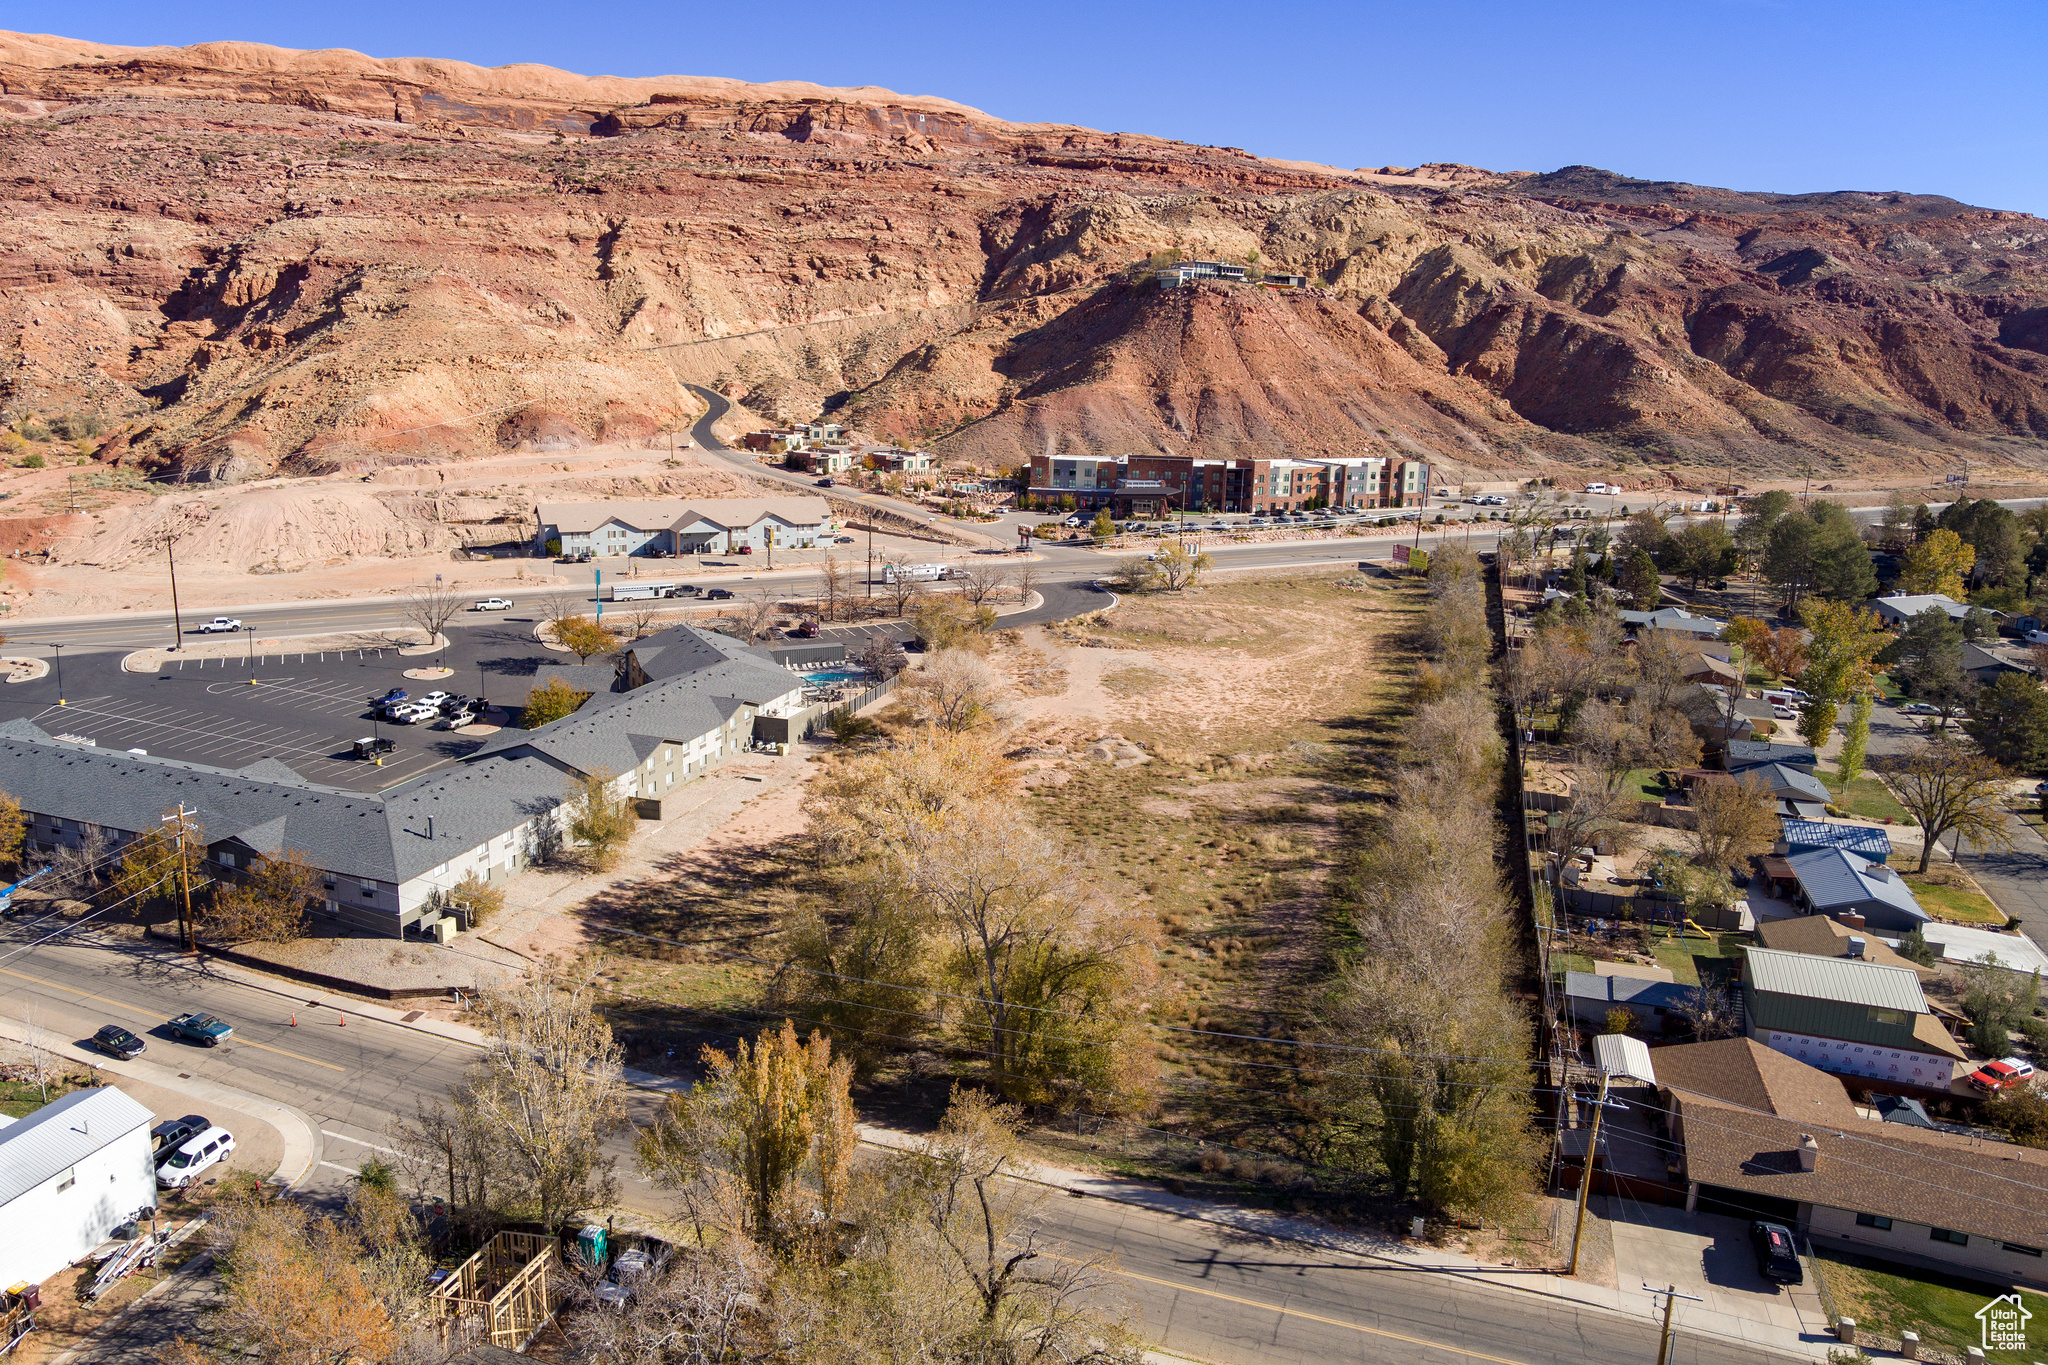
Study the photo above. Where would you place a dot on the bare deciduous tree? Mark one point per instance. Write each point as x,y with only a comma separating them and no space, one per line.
430,606
1733,821
984,580
757,617
269,906
832,585
1948,788
956,689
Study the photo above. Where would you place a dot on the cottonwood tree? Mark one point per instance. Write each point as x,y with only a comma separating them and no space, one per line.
1733,821
1938,564
269,905
293,1290
1855,740
12,827
550,702
1032,1299
762,1147
1843,641
601,819
583,637
956,689
2009,721
430,606
1948,788
1180,566
540,1102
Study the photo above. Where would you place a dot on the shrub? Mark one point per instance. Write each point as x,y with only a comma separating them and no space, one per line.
33,462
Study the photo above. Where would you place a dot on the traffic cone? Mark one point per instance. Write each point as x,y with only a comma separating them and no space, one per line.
344,1019
295,1019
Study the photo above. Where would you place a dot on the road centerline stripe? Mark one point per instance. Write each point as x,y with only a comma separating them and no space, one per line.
295,1056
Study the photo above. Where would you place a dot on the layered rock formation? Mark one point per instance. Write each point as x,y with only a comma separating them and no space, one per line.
249,260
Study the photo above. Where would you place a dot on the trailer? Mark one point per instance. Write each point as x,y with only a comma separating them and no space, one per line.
913,573
630,591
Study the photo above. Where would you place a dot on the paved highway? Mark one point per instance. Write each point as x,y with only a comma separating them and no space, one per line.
1201,1290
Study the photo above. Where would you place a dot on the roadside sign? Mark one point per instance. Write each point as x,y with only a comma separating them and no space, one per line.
1400,554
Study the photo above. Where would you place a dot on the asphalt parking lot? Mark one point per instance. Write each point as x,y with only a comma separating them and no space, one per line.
305,710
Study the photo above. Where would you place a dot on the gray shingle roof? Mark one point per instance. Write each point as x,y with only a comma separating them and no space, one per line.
515,776
1628,990
61,1134
1746,753
1833,877
1788,783
1845,980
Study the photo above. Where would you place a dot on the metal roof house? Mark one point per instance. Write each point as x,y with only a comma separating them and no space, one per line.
1673,619
1847,1016
1810,836
700,526
391,857
1834,881
1895,609
70,1173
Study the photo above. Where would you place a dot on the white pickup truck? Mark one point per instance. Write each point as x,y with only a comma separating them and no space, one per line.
493,604
219,625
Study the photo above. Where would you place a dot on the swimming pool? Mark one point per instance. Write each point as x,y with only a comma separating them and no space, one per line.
835,675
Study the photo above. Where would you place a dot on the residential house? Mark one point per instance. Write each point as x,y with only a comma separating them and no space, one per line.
1834,881
1187,272
70,1173
1705,668
1896,609
702,526
1273,281
1721,720
1800,795
1763,1136
773,440
1960,945
1984,667
829,459
902,461
1738,754
1822,936
681,703
1848,1017
1809,836
1675,619
1656,1005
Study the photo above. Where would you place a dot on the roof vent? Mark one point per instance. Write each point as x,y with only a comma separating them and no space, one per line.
1878,872
1858,948
1809,1152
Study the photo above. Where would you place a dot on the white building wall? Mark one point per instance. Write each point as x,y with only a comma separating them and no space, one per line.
1862,1059
1838,1228
56,1223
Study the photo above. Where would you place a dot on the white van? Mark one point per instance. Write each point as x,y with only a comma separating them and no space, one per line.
194,1156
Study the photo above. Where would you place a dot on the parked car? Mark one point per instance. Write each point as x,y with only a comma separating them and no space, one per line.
172,1134
493,604
391,698
116,1041
219,625
455,720
2037,637
1783,712
1995,1076
412,713
202,1029
373,748
451,702
193,1157
435,698
1918,708
1777,1257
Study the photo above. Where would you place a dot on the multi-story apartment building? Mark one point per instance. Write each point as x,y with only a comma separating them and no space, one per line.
1155,484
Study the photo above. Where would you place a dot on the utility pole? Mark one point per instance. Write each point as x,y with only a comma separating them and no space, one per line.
1586,1173
177,820
1671,1298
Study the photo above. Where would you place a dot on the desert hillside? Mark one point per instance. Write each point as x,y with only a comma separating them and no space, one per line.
230,262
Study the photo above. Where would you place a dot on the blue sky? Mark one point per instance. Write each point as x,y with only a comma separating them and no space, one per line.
1755,94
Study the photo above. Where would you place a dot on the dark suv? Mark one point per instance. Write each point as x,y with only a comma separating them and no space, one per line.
1777,1258
116,1041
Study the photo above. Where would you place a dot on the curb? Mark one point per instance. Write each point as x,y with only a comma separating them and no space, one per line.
280,1116
195,1267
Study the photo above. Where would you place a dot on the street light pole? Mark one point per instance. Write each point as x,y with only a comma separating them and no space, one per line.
60,671
177,621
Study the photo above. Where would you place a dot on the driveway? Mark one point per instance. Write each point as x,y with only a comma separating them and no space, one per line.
1708,1255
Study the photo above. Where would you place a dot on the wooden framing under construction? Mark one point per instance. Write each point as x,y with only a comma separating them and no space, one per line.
505,1293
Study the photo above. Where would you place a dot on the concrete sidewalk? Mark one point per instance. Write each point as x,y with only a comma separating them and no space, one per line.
290,1148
